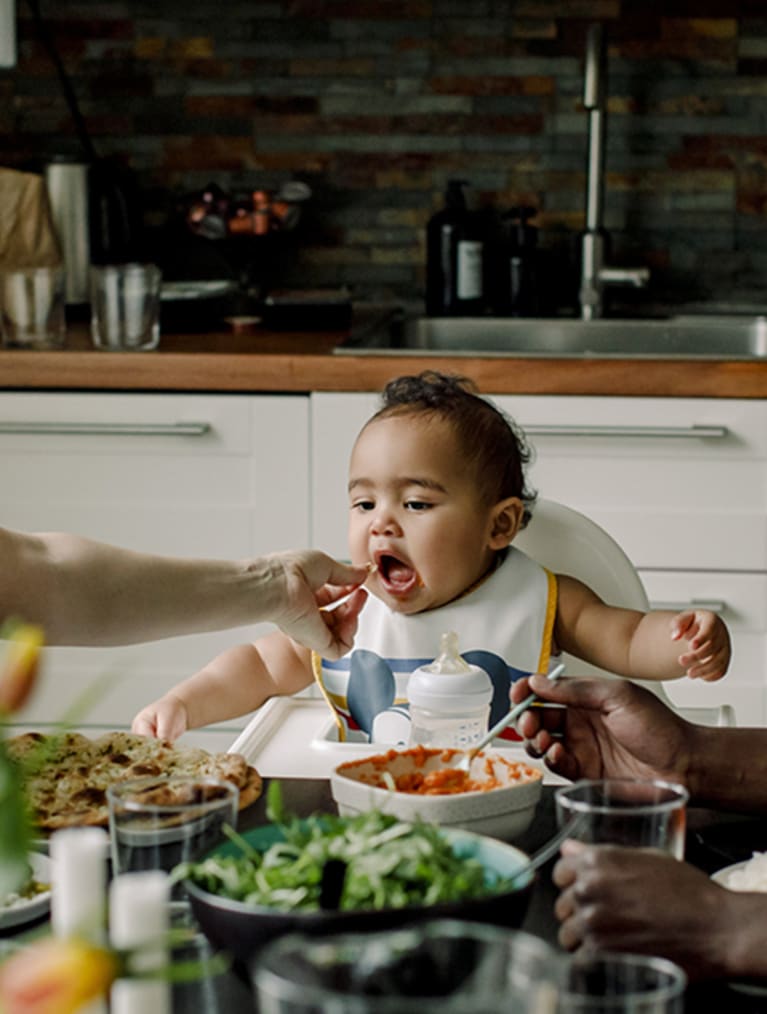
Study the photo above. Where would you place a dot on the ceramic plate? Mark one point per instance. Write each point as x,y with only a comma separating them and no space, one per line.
722,877
32,908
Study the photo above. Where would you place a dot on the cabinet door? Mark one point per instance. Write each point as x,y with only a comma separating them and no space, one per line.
336,419
187,475
741,601
679,483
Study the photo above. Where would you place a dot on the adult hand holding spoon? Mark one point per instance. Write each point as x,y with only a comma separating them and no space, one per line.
465,762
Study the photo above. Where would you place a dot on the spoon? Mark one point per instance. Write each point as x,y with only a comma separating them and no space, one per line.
465,762
549,848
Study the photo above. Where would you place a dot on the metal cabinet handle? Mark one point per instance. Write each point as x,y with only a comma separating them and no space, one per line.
713,605
694,432
177,429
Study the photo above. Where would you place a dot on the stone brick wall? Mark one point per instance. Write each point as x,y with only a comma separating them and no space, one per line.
376,103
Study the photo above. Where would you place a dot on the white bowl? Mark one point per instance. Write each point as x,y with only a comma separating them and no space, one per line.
731,877
503,811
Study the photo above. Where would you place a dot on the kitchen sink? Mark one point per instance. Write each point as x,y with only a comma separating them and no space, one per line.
680,337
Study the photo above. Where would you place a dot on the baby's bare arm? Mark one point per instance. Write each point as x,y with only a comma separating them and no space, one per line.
657,645
234,683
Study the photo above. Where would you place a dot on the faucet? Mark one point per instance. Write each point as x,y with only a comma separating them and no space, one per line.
595,274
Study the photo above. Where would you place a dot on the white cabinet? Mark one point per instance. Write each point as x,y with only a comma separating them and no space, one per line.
336,420
221,476
681,484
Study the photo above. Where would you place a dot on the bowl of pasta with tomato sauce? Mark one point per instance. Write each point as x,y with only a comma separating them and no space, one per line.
497,796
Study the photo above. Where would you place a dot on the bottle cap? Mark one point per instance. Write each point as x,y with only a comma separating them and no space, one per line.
449,684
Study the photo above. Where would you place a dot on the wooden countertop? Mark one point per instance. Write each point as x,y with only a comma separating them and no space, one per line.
264,361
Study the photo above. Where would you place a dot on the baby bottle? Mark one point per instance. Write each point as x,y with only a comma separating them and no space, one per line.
449,699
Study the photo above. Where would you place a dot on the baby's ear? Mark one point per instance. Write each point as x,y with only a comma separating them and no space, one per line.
506,520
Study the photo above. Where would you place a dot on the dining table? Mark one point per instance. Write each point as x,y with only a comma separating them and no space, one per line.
713,840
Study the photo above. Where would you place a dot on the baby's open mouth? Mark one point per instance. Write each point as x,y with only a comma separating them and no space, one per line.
397,576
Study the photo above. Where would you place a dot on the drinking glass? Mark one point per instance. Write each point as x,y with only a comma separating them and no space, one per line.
125,306
441,966
609,983
637,812
156,823
32,308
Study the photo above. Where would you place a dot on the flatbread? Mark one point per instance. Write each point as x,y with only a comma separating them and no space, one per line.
67,775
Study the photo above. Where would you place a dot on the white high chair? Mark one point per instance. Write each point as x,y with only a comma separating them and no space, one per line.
567,542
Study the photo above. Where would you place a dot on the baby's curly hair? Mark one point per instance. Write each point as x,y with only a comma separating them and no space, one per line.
491,442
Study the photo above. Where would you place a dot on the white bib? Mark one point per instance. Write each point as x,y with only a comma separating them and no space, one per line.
504,625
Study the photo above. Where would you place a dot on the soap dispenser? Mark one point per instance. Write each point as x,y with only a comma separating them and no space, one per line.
454,254
449,699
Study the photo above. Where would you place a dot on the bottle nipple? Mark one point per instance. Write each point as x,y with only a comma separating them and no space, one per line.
449,660
449,699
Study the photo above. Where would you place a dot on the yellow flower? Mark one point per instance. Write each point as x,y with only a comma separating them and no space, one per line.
19,667
55,976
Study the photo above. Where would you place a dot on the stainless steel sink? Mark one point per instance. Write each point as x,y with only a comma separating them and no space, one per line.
683,337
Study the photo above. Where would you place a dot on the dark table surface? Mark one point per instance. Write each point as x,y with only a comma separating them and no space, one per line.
714,840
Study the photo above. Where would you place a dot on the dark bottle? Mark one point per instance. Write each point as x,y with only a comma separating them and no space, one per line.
517,265
454,249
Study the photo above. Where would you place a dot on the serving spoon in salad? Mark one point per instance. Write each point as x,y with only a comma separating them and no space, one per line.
465,762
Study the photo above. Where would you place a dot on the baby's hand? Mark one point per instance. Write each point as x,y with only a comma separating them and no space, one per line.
166,718
708,644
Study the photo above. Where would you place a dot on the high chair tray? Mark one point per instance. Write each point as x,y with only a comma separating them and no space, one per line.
296,737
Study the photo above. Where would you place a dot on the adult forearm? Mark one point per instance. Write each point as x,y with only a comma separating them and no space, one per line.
728,768
86,592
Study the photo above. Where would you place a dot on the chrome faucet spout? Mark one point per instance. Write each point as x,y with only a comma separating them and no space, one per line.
595,275
595,105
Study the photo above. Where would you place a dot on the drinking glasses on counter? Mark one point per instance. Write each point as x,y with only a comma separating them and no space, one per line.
32,309
125,306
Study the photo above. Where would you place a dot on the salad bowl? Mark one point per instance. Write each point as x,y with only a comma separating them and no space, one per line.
496,877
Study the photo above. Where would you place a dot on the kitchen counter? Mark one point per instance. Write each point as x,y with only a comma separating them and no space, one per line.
268,361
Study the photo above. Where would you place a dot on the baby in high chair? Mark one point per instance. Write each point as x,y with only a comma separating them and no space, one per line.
437,493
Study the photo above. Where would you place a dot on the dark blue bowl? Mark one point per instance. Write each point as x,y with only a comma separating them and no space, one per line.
242,930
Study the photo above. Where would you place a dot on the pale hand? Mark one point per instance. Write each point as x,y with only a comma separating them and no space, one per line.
708,651
165,718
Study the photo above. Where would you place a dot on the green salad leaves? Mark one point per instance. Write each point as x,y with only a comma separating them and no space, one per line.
386,863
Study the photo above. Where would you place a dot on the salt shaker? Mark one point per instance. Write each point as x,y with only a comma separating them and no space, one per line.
449,699
138,918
